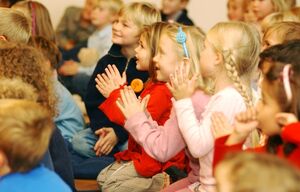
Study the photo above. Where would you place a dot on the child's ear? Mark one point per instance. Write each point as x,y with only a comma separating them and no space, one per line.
4,167
219,59
3,38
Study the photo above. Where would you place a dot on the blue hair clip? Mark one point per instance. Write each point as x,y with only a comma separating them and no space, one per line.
181,38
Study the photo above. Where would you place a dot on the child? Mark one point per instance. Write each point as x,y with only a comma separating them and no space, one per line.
175,11
75,26
280,68
25,132
280,33
69,119
256,172
249,15
30,69
126,31
236,10
77,75
262,8
224,60
14,26
135,164
39,18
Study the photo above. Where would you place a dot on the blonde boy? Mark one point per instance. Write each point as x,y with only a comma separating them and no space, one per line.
98,44
14,26
25,130
126,32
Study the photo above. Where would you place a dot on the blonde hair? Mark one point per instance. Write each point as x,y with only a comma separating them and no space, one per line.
113,5
194,42
39,18
239,44
25,130
284,31
14,26
26,63
277,17
280,5
259,173
17,89
141,14
291,3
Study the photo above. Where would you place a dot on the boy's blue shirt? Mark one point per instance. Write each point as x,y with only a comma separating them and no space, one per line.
38,179
94,98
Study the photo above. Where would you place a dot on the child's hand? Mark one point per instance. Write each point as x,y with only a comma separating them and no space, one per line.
284,119
129,104
180,85
69,68
109,81
220,125
106,142
245,123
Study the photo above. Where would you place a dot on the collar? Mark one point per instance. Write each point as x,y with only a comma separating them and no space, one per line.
115,51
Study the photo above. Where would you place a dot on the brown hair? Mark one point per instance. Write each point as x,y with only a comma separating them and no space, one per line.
39,17
17,89
48,49
25,130
279,56
14,26
26,63
259,173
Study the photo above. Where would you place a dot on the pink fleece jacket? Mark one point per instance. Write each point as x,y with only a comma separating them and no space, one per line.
191,126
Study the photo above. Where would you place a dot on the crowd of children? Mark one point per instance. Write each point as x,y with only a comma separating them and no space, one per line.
162,106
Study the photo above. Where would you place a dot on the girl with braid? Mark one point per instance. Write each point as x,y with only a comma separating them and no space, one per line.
229,58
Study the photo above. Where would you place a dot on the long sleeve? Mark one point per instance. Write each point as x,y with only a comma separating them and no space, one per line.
197,134
162,142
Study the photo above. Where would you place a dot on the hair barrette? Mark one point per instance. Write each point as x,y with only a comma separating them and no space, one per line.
181,38
286,82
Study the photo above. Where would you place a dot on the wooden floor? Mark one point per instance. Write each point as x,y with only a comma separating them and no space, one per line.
83,185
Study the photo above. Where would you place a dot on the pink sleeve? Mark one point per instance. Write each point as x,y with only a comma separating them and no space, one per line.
197,134
160,142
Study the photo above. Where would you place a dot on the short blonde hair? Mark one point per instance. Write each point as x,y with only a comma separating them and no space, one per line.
14,26
113,5
141,14
239,44
259,173
25,130
277,17
17,89
284,31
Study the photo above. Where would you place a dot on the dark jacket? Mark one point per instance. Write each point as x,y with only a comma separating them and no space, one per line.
182,19
94,98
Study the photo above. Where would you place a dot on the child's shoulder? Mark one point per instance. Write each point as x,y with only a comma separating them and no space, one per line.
37,179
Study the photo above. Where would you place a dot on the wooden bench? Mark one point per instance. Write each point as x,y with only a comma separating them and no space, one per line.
85,185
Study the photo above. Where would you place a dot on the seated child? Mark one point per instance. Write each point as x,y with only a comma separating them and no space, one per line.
25,132
175,11
76,75
75,26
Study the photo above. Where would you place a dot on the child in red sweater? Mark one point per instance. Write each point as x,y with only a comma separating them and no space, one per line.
280,66
134,167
